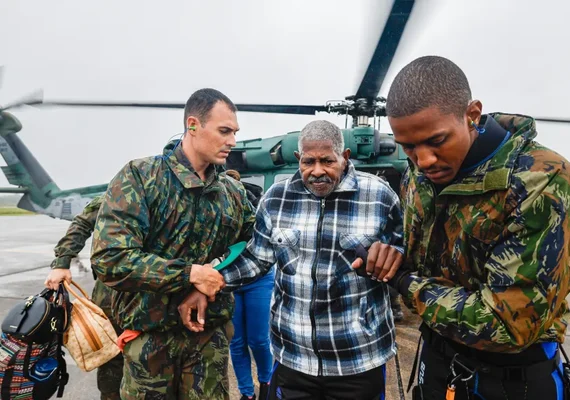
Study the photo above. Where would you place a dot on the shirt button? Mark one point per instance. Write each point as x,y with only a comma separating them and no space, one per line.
279,240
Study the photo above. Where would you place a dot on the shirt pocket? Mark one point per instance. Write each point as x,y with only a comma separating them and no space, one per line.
286,246
348,244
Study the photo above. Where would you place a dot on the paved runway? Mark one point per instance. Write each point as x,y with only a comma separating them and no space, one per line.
26,251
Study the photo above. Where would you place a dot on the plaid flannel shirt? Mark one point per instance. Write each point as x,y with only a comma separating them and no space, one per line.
325,319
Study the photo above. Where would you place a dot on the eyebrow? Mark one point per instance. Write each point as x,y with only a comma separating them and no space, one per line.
432,137
310,158
229,128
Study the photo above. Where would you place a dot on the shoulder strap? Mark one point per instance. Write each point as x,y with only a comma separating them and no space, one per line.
61,366
8,375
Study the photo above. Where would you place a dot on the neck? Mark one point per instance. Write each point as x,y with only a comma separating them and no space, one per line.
199,165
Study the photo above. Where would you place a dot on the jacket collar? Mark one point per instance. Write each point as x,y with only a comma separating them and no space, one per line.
495,174
183,170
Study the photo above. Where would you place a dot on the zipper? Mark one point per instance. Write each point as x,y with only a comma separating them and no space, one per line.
314,292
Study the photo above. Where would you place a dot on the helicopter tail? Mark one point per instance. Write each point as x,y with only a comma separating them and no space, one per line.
22,169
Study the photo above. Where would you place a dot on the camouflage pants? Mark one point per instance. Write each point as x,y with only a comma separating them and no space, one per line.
109,375
177,365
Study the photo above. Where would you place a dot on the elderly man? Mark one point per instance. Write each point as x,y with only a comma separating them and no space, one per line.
332,330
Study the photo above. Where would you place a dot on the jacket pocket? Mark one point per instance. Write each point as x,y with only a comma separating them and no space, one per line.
474,245
286,246
370,312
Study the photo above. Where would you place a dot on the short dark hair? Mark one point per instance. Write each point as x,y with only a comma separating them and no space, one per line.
429,81
201,103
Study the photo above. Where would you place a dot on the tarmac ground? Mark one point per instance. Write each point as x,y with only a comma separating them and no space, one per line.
26,251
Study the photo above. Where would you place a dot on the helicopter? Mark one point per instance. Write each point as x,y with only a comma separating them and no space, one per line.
261,162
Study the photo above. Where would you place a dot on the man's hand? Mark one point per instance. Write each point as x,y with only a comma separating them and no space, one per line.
56,276
194,301
382,263
206,279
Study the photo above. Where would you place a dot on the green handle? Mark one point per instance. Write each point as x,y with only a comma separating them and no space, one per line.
234,251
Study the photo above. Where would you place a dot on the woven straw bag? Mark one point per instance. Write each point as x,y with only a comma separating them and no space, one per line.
90,338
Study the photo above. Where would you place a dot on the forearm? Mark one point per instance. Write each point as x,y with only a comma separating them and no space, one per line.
483,319
132,270
245,270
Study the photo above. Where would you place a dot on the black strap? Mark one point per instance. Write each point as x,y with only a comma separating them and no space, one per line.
522,373
399,376
26,370
415,366
8,375
507,373
61,364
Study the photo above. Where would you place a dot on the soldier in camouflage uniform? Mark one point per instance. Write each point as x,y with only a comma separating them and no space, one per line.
109,374
162,219
487,236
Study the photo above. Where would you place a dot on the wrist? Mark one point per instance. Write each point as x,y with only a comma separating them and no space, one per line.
63,262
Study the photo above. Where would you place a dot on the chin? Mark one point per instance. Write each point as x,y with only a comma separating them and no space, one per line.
219,161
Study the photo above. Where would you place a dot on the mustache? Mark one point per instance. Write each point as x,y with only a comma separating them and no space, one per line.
320,179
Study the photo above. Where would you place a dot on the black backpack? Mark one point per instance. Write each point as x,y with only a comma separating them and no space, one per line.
32,364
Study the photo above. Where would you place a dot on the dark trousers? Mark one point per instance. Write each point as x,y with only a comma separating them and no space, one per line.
434,374
288,384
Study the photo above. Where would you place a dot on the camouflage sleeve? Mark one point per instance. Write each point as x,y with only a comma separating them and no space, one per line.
77,234
528,277
117,255
248,219
258,257
393,232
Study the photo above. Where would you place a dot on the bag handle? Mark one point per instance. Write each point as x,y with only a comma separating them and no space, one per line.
85,300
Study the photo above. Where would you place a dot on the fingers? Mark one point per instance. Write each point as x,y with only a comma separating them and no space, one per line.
394,266
382,263
372,257
357,263
202,305
56,276
194,301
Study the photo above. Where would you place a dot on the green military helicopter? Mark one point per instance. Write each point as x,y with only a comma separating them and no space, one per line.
260,161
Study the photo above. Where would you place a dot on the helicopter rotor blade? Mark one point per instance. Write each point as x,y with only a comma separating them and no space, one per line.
385,49
34,98
260,108
547,119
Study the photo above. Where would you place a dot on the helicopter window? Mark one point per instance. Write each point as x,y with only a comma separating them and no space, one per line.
258,180
282,177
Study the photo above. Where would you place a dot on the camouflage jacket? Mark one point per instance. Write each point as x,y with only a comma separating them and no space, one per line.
490,252
77,234
157,219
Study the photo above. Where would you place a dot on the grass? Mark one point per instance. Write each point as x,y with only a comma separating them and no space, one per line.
14,211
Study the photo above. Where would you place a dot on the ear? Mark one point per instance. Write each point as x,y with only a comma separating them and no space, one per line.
474,111
192,122
346,155
297,155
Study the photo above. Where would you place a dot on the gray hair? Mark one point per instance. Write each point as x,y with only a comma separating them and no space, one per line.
322,131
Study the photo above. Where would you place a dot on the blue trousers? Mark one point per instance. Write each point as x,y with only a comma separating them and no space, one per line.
251,325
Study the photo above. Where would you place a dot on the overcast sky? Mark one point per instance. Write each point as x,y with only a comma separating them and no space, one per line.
514,52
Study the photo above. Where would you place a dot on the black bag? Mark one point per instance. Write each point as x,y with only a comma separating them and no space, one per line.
36,319
32,364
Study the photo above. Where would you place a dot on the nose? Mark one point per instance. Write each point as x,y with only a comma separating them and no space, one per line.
231,142
425,158
318,170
